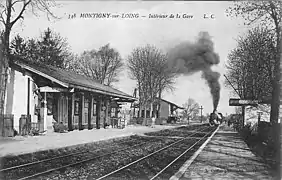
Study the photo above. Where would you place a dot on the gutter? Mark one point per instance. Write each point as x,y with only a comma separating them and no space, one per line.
101,91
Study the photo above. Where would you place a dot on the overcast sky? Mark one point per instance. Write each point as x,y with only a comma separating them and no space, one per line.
126,34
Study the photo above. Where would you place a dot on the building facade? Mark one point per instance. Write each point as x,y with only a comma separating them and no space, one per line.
48,95
166,108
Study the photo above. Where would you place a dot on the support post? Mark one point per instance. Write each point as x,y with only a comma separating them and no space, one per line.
90,102
243,116
106,112
81,101
28,97
98,113
44,112
259,117
70,111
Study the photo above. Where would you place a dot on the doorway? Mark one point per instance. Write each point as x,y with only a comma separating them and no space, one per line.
63,109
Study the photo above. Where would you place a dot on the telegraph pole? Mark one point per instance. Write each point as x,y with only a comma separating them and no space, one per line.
201,108
243,107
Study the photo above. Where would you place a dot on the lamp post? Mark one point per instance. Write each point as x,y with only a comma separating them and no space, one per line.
201,108
259,115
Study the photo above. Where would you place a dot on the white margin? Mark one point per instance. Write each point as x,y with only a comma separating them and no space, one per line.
186,165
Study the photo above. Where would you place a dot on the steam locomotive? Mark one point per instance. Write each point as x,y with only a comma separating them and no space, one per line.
215,118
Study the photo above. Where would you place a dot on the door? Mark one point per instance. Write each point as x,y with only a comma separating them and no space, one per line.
63,109
86,104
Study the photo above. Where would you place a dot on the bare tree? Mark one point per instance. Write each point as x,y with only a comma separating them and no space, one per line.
13,11
268,14
148,66
251,64
191,109
103,65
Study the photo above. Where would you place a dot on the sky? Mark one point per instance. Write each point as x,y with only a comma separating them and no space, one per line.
126,34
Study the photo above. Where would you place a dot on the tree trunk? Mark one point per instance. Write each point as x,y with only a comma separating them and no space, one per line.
145,111
2,90
140,100
159,104
4,60
275,100
276,92
151,110
140,111
243,115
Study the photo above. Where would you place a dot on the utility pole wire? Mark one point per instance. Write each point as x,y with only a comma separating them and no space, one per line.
232,85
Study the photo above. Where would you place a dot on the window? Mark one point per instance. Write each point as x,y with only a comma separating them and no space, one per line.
113,112
49,106
86,103
76,108
94,109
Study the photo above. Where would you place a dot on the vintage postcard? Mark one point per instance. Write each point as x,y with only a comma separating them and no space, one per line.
140,89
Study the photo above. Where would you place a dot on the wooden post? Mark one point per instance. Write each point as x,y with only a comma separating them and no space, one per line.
98,113
70,111
44,112
259,117
90,102
28,97
106,111
243,116
81,101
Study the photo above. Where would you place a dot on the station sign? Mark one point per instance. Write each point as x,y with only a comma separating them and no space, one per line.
241,102
55,89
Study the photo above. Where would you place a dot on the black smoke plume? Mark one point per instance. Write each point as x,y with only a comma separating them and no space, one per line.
188,58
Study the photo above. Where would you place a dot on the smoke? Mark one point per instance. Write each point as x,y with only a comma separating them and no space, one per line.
188,58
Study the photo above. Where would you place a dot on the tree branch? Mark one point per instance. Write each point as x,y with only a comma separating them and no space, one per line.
21,12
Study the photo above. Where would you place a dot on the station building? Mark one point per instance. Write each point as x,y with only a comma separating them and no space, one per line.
44,95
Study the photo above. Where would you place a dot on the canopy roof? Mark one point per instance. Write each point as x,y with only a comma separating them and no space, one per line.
69,79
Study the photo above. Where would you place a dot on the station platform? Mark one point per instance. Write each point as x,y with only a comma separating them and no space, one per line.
28,144
226,156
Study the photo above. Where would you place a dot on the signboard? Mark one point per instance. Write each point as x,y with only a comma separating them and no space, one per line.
53,89
122,103
240,102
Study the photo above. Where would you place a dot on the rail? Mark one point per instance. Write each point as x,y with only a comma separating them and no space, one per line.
87,153
149,155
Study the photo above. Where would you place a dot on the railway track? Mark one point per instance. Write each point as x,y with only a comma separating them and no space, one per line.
45,167
11,167
68,160
126,171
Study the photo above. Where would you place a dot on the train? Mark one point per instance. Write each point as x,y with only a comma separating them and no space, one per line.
216,118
